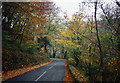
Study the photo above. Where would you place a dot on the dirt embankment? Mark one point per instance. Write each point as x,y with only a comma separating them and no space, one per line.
68,76
13,73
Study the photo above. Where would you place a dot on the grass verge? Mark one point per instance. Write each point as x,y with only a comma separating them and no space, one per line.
77,75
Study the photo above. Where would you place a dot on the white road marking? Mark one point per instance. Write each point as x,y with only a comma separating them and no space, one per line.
40,76
44,73
52,66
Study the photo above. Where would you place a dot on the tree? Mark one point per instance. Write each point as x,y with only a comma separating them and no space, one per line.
111,18
99,44
23,25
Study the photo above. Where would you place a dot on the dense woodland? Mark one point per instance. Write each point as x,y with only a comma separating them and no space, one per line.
32,33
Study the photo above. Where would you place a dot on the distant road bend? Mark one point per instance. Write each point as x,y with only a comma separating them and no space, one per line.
54,71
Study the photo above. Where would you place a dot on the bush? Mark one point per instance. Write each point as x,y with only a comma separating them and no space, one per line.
71,61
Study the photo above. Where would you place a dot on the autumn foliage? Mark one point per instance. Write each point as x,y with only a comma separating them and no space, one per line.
33,32
23,34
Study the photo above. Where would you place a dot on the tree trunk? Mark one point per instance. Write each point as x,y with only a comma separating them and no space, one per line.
90,63
99,44
65,54
22,33
54,53
76,58
46,48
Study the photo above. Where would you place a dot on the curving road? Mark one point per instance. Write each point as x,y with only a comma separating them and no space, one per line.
54,71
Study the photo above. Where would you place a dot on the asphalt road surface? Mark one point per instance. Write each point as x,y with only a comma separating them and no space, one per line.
54,71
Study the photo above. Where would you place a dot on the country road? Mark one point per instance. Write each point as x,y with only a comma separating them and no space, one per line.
54,71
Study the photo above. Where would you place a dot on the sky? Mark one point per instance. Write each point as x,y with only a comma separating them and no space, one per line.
68,6
72,6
